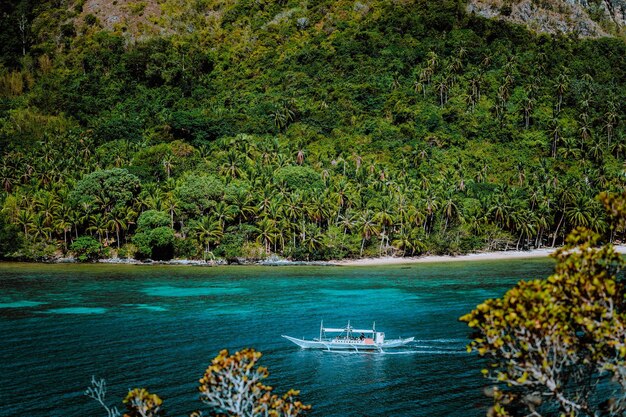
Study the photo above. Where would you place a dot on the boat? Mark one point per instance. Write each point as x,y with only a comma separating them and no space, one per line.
350,339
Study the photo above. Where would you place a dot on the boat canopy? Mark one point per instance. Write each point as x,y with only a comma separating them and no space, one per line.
334,330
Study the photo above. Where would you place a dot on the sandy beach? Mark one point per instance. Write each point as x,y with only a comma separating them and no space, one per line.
485,256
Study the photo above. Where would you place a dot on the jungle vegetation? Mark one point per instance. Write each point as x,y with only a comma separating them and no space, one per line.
317,130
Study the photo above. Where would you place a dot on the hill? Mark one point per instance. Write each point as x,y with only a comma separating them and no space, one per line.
315,131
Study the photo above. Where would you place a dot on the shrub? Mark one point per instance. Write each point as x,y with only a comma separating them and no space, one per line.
299,178
86,248
151,219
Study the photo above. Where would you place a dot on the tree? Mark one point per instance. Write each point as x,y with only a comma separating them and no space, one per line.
232,386
550,342
86,248
367,227
106,189
154,238
197,193
299,178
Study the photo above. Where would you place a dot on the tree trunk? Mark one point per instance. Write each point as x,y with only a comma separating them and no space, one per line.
556,233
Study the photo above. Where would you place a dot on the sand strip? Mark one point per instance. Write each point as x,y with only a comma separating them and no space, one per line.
486,256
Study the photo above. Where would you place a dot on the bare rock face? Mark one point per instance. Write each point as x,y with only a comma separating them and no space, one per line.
587,18
135,18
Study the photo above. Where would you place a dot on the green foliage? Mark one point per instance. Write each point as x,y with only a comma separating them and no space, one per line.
298,178
10,239
86,248
106,189
128,251
186,249
152,219
117,128
34,251
155,238
199,192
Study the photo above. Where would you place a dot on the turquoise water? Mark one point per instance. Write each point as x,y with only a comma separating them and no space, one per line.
159,327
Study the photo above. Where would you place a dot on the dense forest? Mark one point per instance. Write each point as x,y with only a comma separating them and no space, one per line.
310,130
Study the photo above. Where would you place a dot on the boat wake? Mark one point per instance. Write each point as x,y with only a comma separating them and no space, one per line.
399,352
426,352
461,341
439,346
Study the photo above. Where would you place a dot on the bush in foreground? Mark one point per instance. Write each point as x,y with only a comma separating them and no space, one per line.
557,347
231,386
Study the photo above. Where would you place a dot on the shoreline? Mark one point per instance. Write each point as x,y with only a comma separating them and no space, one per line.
380,261
482,256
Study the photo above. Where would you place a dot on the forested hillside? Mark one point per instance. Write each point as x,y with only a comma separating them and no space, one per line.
313,130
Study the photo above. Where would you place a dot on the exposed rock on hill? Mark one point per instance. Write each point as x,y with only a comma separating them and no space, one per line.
588,18
139,18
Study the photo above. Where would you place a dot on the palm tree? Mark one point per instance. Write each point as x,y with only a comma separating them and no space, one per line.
266,228
208,231
99,225
442,88
432,60
6,178
525,223
579,213
40,228
560,86
347,221
62,222
384,212
233,166
223,212
555,132
47,205
611,118
26,220
566,195
528,105
117,222
314,239
367,227
168,164
450,209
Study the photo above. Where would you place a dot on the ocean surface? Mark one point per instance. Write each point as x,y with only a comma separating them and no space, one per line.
159,327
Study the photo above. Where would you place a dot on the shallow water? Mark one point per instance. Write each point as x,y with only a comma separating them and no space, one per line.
159,327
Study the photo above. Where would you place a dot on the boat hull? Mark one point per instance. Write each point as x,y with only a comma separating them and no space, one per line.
354,345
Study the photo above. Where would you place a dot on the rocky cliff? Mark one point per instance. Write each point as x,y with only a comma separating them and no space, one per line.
588,18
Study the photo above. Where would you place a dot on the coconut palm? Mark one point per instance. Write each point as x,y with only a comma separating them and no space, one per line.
367,227
207,231
266,233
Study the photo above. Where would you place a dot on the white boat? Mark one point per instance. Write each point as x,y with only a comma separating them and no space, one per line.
349,338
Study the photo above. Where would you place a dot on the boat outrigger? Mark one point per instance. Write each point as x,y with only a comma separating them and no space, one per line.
349,338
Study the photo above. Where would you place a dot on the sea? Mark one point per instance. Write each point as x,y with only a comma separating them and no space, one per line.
159,327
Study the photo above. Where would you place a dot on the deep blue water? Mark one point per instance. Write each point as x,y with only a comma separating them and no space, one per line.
159,327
